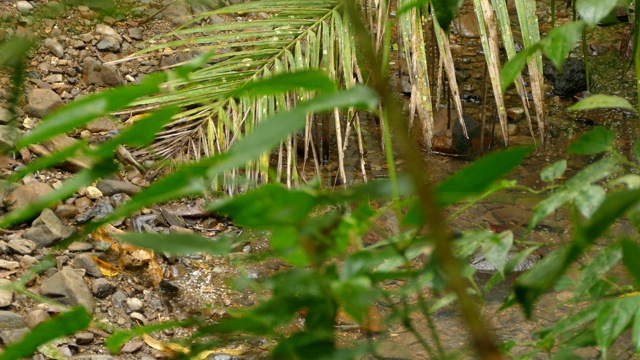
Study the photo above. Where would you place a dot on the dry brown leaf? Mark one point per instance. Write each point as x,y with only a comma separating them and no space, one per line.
171,348
105,268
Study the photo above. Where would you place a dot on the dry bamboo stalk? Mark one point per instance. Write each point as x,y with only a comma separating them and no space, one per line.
421,79
358,129
343,175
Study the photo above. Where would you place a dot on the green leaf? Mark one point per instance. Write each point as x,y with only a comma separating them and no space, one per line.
496,252
309,80
636,150
445,11
267,207
593,11
551,172
118,338
14,50
558,44
52,159
286,242
512,68
601,101
179,244
478,176
589,199
635,332
613,319
630,256
354,296
64,324
591,274
86,109
567,192
614,206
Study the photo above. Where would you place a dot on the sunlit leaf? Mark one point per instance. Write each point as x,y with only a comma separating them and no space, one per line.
613,319
512,68
596,268
310,80
588,199
561,40
593,11
496,252
105,268
62,325
601,101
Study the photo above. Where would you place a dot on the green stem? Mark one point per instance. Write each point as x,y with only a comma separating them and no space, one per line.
585,55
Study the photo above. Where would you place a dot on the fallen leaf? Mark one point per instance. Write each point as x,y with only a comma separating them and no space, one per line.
171,348
105,268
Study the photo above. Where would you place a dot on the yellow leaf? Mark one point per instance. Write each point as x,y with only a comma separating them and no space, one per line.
173,349
105,268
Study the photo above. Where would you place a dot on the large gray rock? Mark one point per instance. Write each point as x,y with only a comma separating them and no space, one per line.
68,288
176,12
111,187
41,102
109,43
47,229
21,246
26,194
84,261
95,73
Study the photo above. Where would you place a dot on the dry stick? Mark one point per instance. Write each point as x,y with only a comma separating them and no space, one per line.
484,110
360,146
482,338
343,175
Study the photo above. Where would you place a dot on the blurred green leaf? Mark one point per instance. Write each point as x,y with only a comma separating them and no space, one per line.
478,176
14,50
354,296
179,244
52,159
588,199
561,40
269,206
551,172
567,192
636,150
286,242
593,11
119,337
596,268
445,11
496,252
62,325
601,101
512,68
630,256
635,332
613,319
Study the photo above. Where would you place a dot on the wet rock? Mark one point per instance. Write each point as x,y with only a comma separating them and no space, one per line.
6,296
41,102
101,209
47,229
94,193
111,187
68,288
102,288
24,7
21,246
65,211
467,26
571,79
8,137
84,338
55,47
95,73
109,43
35,317
84,261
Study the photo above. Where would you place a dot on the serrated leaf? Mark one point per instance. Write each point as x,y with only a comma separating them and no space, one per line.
594,270
589,199
558,44
593,11
179,244
572,187
64,324
601,101
551,172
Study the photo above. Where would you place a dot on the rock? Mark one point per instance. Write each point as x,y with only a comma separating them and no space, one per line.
68,288
95,73
65,211
21,246
9,265
570,80
93,357
467,26
83,203
134,304
101,209
47,229
131,346
84,338
111,187
101,124
35,317
118,299
59,142
80,246
11,321
26,194
5,116
102,288
105,30
27,261
84,261
176,12
94,193
109,43
8,137
12,336
6,296
24,7
55,47
135,33
41,102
